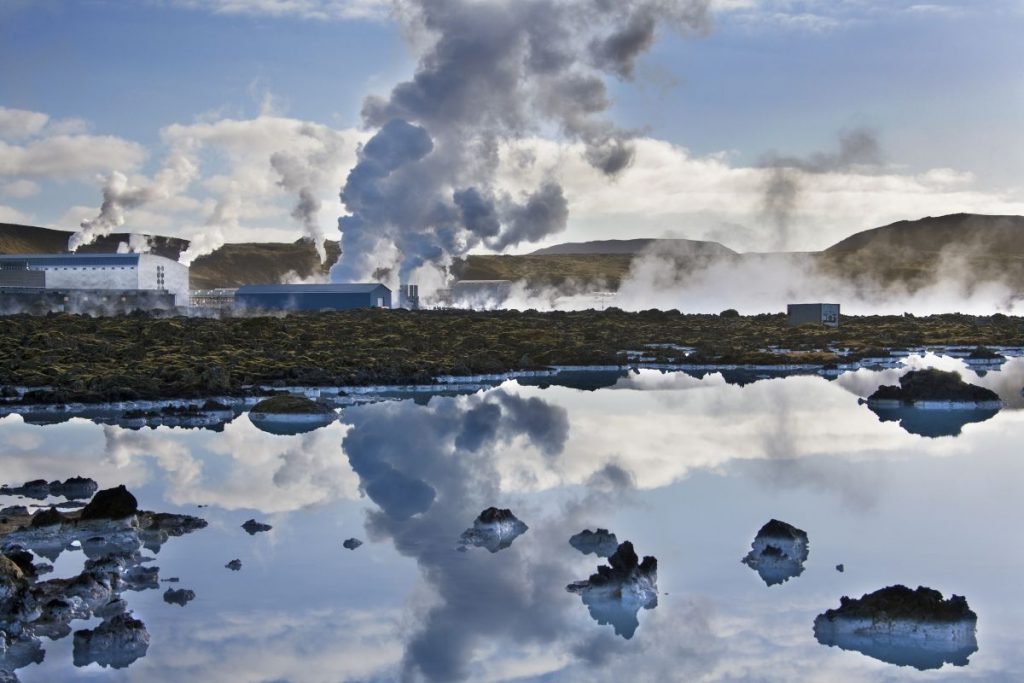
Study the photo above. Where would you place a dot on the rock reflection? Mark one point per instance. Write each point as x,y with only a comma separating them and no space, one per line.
494,529
900,626
617,592
933,423
601,542
778,552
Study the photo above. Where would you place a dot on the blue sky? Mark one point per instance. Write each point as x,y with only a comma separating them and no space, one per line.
941,85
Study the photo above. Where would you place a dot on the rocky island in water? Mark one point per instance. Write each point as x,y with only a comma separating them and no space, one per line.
901,626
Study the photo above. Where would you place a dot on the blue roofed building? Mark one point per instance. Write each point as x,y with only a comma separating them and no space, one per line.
330,297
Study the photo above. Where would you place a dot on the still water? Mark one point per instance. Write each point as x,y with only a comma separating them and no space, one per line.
686,468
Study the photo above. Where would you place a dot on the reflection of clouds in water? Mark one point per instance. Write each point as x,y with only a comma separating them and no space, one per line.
314,646
174,458
266,473
60,451
448,447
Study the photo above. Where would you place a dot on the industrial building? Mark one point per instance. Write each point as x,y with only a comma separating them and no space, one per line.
821,314
331,297
82,282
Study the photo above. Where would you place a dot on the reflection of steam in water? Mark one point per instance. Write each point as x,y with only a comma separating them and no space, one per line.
429,468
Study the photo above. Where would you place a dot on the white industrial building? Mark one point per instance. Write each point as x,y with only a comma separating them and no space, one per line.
97,273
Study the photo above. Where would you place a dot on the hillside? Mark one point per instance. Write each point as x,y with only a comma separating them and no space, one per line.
230,266
635,246
968,247
910,254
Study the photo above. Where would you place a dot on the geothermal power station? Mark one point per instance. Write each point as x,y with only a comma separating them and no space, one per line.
109,284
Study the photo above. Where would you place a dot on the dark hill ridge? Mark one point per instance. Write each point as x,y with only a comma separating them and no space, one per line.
911,254
635,246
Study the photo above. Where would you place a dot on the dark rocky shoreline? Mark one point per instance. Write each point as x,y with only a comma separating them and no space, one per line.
76,359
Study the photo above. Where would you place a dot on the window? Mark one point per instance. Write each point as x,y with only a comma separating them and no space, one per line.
160,277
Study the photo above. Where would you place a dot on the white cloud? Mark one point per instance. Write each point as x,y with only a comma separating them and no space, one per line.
20,189
18,124
11,215
319,10
66,157
669,191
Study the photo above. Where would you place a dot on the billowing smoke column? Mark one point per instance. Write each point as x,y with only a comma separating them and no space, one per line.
118,197
223,220
495,72
303,173
858,147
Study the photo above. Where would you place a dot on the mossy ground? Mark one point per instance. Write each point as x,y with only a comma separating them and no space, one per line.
132,357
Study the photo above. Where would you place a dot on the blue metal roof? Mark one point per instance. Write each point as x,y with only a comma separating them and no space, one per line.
72,260
327,288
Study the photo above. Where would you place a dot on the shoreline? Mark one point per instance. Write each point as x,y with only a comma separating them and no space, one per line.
65,359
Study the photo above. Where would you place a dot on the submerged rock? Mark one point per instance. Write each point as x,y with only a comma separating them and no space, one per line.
601,542
494,529
352,543
617,592
116,643
234,565
778,552
252,527
181,596
901,626
115,503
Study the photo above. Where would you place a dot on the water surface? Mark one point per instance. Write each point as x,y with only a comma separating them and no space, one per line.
687,469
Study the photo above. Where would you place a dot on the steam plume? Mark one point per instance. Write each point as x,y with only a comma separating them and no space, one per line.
302,174
224,219
782,186
178,172
495,72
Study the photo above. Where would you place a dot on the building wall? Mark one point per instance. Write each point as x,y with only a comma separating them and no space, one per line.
313,301
822,314
22,278
174,280
91,277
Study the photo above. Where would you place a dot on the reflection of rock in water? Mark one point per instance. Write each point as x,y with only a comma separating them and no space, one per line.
494,529
40,489
778,552
932,423
181,596
116,643
901,626
252,527
111,532
615,594
601,542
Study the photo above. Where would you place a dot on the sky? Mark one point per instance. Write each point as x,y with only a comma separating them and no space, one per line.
219,117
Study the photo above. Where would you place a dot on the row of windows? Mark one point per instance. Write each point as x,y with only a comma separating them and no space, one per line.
94,268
